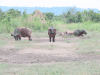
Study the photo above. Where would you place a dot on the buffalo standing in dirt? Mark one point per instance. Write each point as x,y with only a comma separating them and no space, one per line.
79,32
52,33
22,32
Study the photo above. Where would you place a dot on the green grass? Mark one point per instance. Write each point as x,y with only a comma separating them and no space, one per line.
89,45
68,68
91,26
5,35
4,38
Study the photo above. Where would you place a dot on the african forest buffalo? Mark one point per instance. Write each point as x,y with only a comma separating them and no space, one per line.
79,32
22,32
52,33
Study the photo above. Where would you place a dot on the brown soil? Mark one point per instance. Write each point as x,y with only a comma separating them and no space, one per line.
60,51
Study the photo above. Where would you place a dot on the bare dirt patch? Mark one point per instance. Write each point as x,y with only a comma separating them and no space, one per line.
42,51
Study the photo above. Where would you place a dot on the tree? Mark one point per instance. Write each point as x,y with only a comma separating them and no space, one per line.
97,17
78,16
24,14
59,18
85,13
1,15
33,13
49,15
14,13
70,15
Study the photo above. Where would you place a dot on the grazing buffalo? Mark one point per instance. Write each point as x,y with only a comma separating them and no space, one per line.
79,32
22,32
52,33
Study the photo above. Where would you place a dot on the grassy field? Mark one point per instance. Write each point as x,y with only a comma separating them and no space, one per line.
88,46
61,68
91,26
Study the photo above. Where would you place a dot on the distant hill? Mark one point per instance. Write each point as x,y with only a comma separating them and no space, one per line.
55,10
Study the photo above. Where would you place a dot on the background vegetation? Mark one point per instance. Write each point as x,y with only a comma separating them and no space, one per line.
11,19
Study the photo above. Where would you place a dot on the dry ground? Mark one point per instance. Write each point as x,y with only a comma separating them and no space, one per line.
66,56
40,50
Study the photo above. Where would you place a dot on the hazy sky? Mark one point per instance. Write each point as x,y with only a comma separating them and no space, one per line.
52,3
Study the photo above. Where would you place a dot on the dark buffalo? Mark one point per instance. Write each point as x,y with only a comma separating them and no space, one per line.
52,33
79,32
22,32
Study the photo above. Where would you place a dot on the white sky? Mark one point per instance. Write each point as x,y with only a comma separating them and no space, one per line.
52,3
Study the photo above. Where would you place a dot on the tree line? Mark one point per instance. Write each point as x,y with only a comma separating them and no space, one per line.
73,16
70,16
12,18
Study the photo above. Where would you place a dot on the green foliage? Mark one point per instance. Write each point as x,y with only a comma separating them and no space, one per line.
72,16
14,13
24,14
78,17
33,13
1,15
7,19
59,18
49,23
49,15
37,25
14,23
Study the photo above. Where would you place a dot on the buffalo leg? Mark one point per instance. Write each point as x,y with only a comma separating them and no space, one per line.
54,39
19,37
49,38
30,38
16,38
